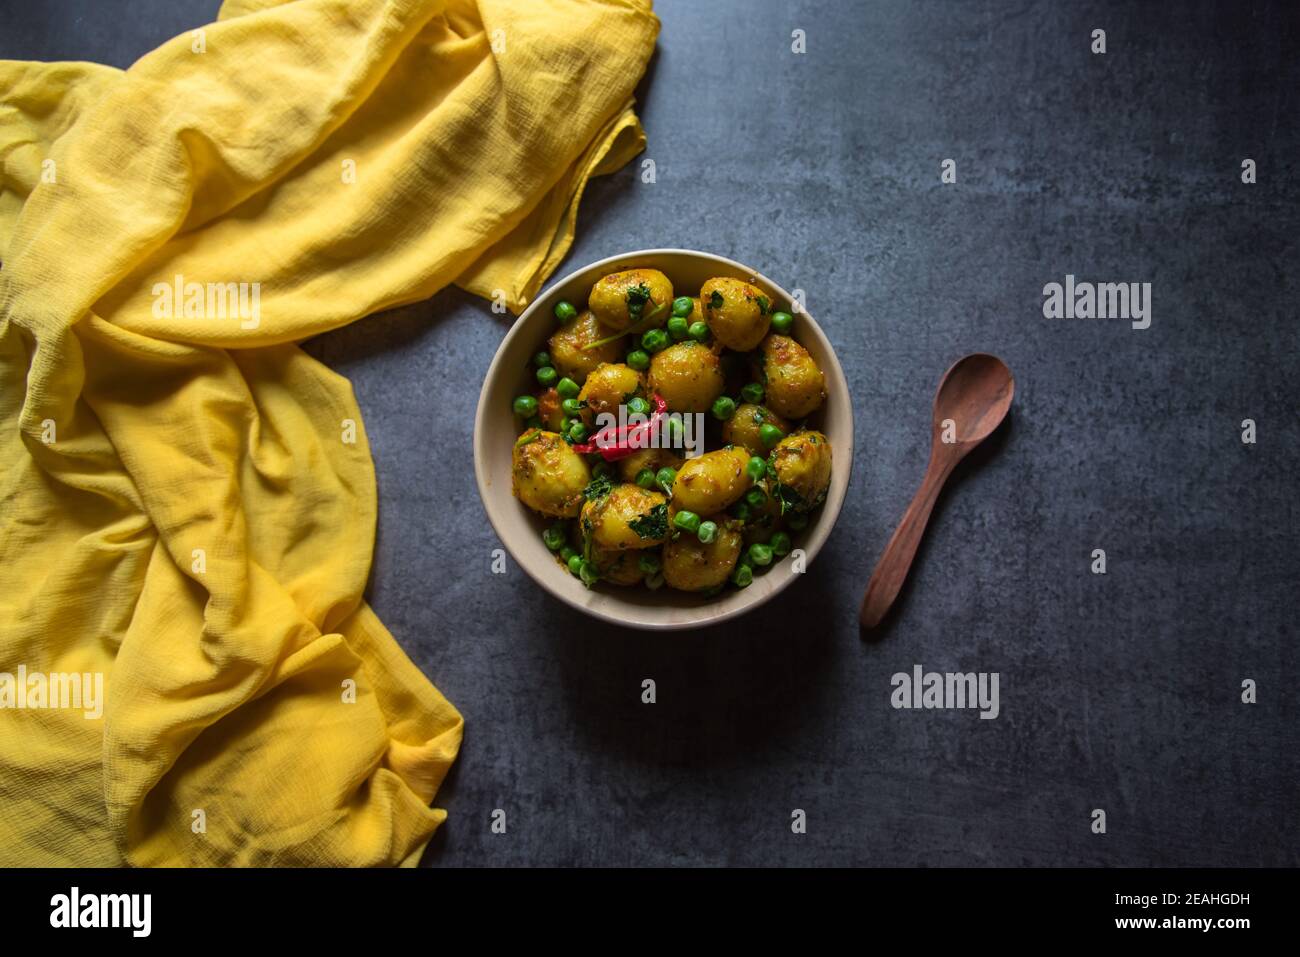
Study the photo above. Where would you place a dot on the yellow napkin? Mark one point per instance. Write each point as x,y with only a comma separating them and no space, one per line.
187,500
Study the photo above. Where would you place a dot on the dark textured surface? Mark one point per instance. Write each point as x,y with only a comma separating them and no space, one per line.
1119,692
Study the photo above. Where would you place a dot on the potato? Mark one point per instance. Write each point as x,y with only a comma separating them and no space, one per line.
742,428
627,517
712,481
803,470
566,347
607,387
547,475
648,459
738,314
549,410
623,299
618,567
795,386
688,375
690,565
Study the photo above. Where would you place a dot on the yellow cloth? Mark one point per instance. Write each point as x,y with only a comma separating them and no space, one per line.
181,509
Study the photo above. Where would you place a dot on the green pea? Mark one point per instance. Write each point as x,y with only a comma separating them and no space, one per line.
639,360
567,388
571,406
665,477
574,562
743,576
769,434
756,468
646,478
654,340
677,328
707,531
565,311
578,431
756,498
675,432
752,393
547,375
602,470
741,510
587,572
782,321
533,423
760,554
649,564
525,407
687,521
781,544
638,406
796,522
567,553
542,359
655,582
682,306
724,407
554,537
699,331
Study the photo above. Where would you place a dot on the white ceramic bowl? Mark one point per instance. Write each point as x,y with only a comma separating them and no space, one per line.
495,429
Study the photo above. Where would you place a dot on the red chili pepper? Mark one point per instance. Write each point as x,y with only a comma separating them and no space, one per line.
614,442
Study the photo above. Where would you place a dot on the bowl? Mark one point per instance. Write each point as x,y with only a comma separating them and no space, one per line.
520,530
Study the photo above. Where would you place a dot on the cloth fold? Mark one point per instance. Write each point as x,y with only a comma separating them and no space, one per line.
188,500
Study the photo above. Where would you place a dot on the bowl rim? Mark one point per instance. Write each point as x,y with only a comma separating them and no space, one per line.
812,546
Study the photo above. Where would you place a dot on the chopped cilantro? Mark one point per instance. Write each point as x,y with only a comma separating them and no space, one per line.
716,301
762,305
598,487
653,524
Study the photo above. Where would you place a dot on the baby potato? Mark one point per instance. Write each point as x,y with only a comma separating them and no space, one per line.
618,567
712,481
607,387
688,375
690,565
742,428
628,517
549,410
622,299
653,459
803,466
738,313
566,347
547,475
795,386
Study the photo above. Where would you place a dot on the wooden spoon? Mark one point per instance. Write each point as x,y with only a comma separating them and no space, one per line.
972,400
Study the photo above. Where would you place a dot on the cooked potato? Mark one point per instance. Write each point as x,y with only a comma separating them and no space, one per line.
618,567
742,428
803,467
795,386
738,314
547,475
608,386
690,565
549,410
688,375
628,517
566,347
654,459
712,481
623,299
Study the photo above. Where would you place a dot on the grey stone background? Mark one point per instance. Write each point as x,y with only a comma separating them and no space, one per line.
1119,692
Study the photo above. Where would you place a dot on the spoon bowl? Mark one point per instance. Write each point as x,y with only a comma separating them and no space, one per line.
975,395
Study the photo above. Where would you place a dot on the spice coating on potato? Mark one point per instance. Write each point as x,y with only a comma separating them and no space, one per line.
549,410
803,466
568,355
547,475
688,376
653,459
691,565
618,567
712,481
795,386
623,299
627,517
738,313
742,428
608,386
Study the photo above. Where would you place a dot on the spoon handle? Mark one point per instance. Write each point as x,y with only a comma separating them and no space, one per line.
894,564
